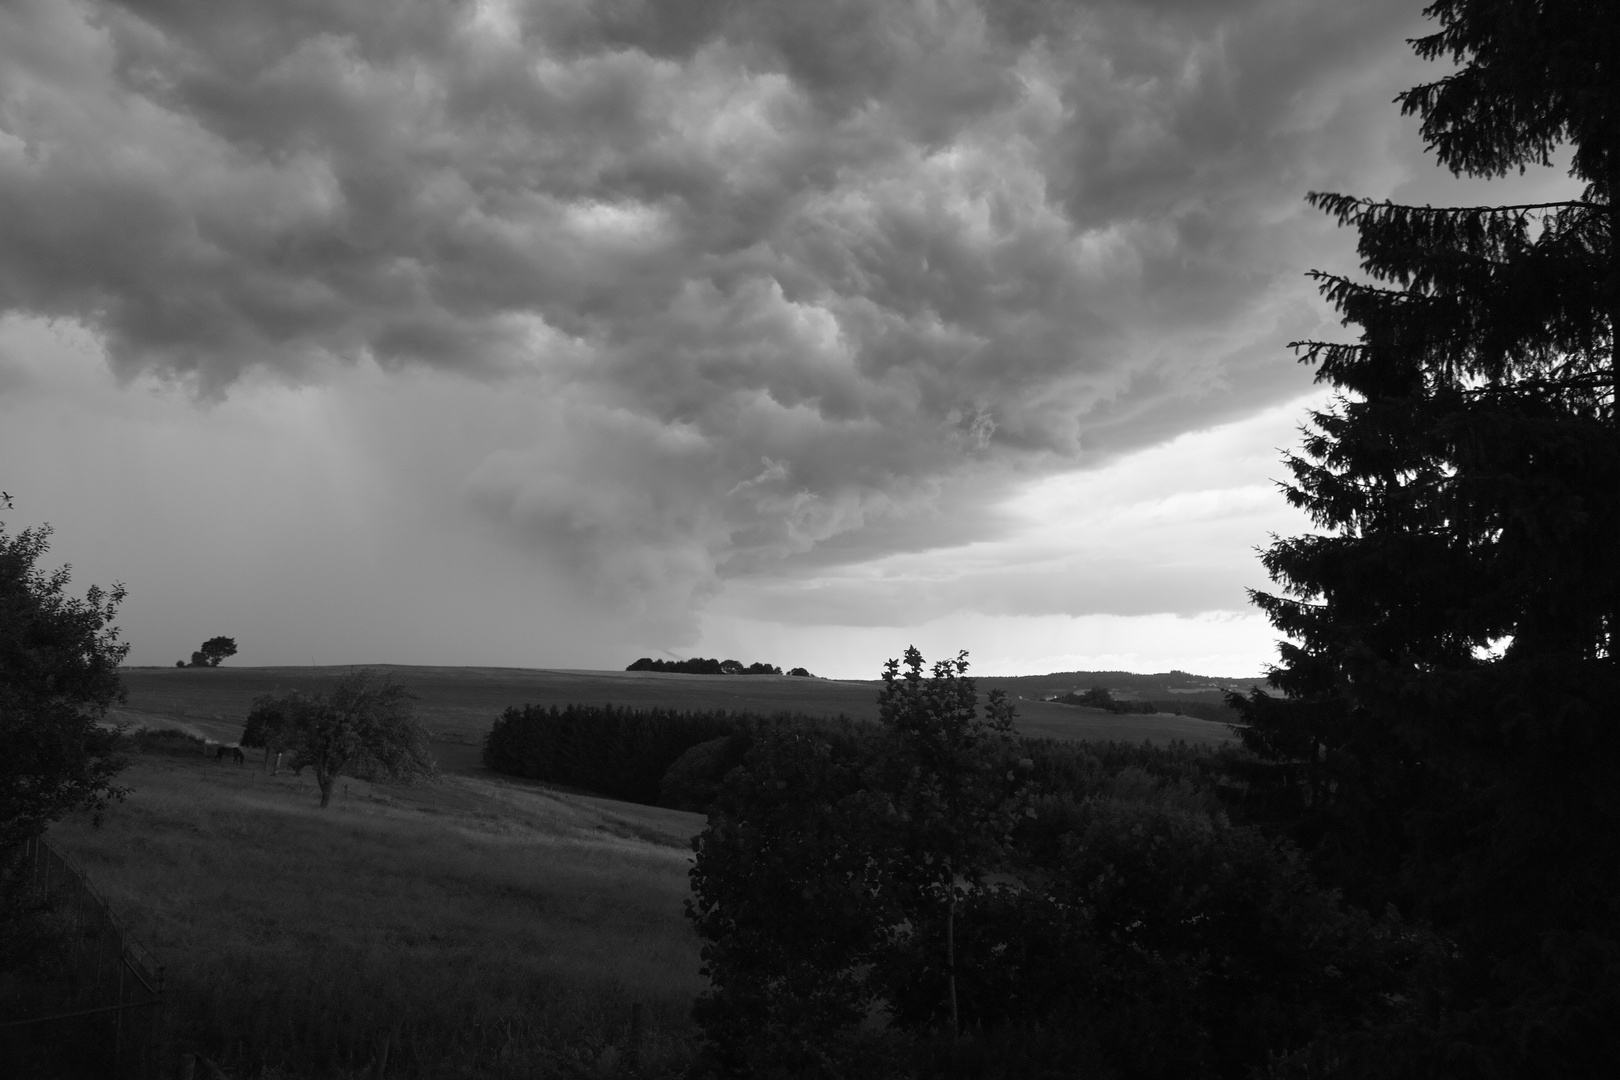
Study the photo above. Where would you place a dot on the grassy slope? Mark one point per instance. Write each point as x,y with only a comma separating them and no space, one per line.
505,928
459,704
500,926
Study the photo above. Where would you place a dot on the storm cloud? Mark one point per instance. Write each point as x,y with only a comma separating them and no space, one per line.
777,284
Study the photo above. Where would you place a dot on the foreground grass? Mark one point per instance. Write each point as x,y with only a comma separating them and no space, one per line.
484,928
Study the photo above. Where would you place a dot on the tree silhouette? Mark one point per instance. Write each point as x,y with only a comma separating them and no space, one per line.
957,806
213,651
1445,740
59,659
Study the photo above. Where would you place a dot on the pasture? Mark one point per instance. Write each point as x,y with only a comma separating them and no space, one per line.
487,928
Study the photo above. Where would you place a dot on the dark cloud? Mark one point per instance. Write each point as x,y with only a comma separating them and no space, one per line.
785,280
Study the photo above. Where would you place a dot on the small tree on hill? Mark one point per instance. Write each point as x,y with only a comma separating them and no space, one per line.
213,651
362,724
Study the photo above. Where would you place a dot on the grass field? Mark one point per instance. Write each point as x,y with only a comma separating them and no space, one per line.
486,926
460,704
490,928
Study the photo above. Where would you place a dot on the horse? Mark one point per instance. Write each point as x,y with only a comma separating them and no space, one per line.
233,751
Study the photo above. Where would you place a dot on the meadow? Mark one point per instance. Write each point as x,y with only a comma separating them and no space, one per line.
484,927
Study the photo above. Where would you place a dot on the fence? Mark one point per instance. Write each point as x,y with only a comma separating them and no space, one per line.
101,1012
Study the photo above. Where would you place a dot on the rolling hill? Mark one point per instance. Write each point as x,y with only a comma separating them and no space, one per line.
459,704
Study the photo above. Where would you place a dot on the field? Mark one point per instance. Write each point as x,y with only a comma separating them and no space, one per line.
459,704
485,926
488,928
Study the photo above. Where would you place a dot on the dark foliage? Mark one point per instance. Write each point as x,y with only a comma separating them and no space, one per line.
700,666
693,780
214,650
695,666
1445,739
59,660
1097,912
1099,698
623,753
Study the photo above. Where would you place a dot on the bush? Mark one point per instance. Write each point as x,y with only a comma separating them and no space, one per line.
693,780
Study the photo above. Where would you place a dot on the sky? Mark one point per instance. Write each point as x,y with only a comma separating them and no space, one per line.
560,333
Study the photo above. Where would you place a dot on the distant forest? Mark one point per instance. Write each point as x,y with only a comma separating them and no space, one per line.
700,666
1100,698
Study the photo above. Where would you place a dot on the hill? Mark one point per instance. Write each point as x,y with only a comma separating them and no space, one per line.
490,927
459,704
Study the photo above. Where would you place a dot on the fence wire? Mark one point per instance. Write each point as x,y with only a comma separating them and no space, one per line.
95,1007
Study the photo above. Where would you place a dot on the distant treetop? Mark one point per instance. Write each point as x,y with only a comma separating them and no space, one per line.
212,652
700,666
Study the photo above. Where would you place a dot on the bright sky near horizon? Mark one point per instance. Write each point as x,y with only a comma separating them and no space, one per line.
558,333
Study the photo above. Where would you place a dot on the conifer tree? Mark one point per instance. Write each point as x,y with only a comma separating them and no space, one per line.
1446,737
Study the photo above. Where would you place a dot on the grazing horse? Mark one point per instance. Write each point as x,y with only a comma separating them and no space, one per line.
233,751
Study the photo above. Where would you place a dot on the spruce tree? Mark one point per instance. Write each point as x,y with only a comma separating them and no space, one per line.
1446,739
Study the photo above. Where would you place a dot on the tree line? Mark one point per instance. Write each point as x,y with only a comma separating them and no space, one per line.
699,665
1099,697
623,753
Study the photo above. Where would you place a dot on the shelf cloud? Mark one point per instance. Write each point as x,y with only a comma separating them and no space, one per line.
778,283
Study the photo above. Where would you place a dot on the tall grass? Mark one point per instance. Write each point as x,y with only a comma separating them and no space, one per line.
482,928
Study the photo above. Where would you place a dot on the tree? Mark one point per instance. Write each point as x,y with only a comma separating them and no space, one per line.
956,804
1445,739
788,897
213,651
837,860
363,724
59,659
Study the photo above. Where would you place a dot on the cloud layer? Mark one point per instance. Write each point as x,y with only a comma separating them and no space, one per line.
771,284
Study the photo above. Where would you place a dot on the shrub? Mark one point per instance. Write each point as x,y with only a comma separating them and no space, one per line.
693,780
